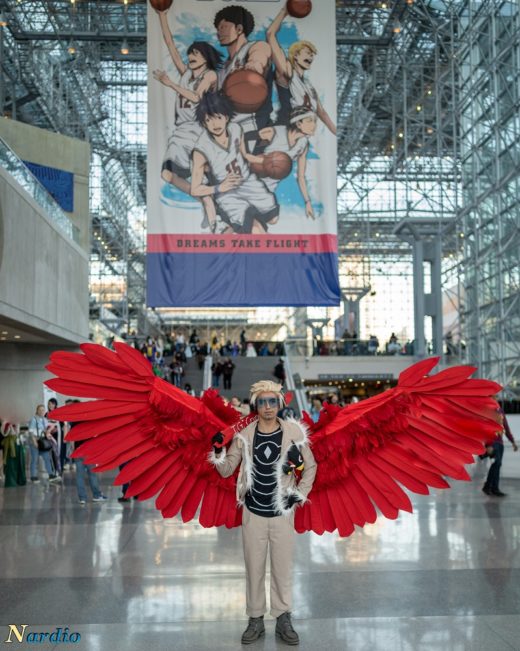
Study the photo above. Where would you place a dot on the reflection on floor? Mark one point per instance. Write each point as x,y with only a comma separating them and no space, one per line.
446,578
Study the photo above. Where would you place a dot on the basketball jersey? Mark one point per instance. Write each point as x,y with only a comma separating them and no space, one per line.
299,92
237,62
302,92
185,108
280,142
220,160
251,121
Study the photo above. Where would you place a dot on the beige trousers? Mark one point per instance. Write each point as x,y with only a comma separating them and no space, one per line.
259,534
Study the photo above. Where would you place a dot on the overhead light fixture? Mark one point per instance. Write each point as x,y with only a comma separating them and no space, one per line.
5,332
418,108
3,21
124,47
397,27
17,337
71,48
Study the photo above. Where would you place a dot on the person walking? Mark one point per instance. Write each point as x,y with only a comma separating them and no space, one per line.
495,449
227,372
216,372
85,470
40,446
279,372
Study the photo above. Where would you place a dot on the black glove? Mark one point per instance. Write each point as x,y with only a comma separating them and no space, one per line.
217,441
294,460
290,500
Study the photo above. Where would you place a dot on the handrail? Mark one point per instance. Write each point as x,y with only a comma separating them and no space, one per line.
206,373
12,164
299,393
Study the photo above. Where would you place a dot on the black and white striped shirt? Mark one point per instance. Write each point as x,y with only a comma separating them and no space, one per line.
266,452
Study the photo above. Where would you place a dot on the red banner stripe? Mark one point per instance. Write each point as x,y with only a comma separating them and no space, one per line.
231,243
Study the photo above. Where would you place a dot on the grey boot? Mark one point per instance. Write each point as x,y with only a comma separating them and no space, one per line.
254,630
285,631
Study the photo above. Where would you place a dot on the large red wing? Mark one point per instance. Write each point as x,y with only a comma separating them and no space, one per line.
160,432
414,435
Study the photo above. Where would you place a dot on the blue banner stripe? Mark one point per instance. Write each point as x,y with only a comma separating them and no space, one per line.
241,280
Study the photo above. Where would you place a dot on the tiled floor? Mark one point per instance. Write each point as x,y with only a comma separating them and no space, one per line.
446,578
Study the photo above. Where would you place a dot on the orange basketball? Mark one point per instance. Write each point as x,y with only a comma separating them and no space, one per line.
161,5
277,165
246,89
299,8
258,169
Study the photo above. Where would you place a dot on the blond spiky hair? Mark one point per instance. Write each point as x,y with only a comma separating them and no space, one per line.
265,386
297,47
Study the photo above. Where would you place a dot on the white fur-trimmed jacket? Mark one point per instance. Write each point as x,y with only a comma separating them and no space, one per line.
241,451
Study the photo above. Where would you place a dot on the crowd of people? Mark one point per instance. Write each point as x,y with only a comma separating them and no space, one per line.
350,344
169,354
38,450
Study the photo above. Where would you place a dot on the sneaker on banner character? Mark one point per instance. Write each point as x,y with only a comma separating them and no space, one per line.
293,86
294,142
243,201
197,76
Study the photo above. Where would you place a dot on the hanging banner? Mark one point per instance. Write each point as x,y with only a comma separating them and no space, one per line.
242,153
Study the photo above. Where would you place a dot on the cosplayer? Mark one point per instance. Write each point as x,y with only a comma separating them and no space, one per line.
268,451
14,455
197,76
293,141
261,473
234,25
243,201
294,89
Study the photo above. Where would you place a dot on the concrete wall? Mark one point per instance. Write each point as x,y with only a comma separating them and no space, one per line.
43,273
22,373
54,150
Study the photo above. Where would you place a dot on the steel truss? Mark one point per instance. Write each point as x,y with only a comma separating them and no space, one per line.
488,105
428,128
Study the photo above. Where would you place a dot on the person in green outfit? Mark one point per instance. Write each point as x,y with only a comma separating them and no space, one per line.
14,455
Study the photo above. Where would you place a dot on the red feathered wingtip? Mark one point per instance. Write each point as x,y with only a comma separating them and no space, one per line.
416,372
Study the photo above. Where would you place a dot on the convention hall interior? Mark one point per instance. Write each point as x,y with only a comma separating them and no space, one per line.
428,223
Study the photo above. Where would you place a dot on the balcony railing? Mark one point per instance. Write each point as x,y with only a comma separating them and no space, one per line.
348,347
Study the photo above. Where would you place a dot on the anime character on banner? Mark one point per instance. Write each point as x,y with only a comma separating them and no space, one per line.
244,202
230,146
246,77
293,142
197,77
294,88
